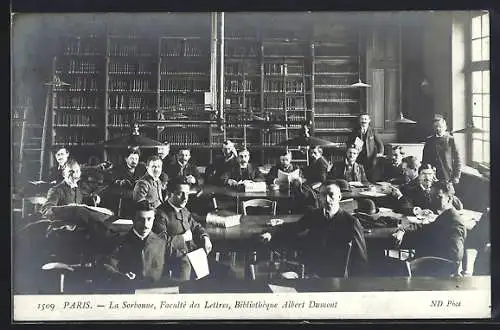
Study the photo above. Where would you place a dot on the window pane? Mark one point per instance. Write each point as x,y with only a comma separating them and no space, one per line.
478,122
486,49
476,27
477,150
477,105
476,50
486,152
486,81
486,126
477,82
486,105
485,30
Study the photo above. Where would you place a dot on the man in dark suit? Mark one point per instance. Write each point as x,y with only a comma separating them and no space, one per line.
122,181
222,165
285,165
163,152
151,187
394,170
55,174
329,237
368,143
445,236
68,192
441,152
140,254
243,171
318,167
349,169
182,232
182,170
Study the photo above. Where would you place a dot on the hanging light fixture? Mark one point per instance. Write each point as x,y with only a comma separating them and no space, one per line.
401,119
359,83
471,129
56,82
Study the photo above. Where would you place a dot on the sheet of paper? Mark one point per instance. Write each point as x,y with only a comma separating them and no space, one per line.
385,209
167,290
371,194
279,288
199,262
356,184
123,222
413,219
358,143
286,178
37,182
225,221
99,209
470,215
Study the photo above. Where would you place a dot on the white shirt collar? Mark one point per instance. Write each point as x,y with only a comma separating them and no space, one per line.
424,189
142,238
72,186
177,209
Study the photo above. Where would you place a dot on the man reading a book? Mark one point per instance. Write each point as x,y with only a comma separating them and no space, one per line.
285,165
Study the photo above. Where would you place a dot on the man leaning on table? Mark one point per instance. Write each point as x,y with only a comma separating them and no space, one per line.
329,237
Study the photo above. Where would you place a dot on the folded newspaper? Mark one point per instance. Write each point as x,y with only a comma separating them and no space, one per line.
285,178
223,219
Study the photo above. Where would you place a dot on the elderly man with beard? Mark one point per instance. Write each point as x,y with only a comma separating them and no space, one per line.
330,237
151,187
68,192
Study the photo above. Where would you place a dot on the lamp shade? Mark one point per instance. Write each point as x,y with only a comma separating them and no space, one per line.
132,140
403,120
310,141
359,83
470,129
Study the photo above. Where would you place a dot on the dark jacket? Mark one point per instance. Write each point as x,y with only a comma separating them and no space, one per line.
54,174
445,237
339,171
122,172
239,174
372,145
273,172
317,170
176,173
63,194
172,225
442,153
325,242
150,190
219,169
394,174
145,258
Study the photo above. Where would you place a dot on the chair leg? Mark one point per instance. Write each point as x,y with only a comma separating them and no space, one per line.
61,283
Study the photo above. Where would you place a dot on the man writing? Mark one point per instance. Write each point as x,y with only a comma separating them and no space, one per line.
333,239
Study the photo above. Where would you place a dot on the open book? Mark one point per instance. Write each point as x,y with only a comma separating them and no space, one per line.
285,178
223,219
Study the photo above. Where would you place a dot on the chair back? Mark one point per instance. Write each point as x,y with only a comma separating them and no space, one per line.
259,203
431,266
348,259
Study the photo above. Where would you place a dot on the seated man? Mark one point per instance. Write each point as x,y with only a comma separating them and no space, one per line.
394,171
163,152
182,170
331,237
68,192
122,181
285,165
141,253
410,168
243,171
349,169
222,165
151,187
445,236
318,168
55,174
182,232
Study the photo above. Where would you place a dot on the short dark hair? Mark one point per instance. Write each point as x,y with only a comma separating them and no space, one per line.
242,149
446,187
144,205
411,162
58,147
133,151
426,167
398,147
153,158
183,148
71,162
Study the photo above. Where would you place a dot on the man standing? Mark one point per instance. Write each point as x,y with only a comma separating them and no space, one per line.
182,232
349,169
141,253
333,242
150,187
441,152
369,145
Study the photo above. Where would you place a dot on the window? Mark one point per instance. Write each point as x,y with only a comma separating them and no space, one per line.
480,88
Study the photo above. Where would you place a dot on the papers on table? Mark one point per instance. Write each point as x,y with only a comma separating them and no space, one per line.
123,222
99,209
199,262
167,290
223,220
38,182
279,288
356,184
371,194
385,209
285,178
250,186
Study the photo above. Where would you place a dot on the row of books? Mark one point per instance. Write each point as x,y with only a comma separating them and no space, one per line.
279,86
116,119
183,48
336,50
193,68
129,49
334,80
348,109
79,46
347,66
75,119
77,102
183,136
333,123
127,102
273,137
79,66
291,102
286,49
247,85
77,137
130,85
341,95
186,85
179,102
242,51
129,68
86,84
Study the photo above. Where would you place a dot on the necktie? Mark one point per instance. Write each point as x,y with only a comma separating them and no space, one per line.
158,189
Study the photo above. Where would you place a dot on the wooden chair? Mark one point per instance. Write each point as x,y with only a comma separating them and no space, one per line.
431,266
259,203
